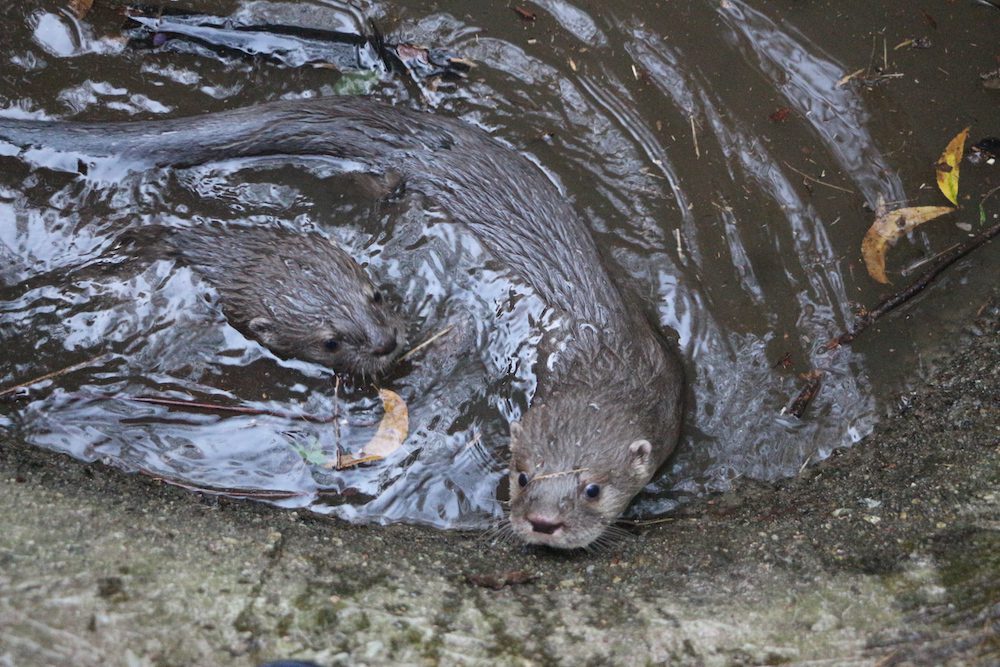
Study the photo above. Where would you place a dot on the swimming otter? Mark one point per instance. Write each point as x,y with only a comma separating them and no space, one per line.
608,406
298,294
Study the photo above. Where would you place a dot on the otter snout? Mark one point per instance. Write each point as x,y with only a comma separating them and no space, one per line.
544,525
385,345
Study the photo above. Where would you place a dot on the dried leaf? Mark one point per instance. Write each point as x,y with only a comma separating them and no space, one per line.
348,460
889,227
393,428
948,164
80,8
391,433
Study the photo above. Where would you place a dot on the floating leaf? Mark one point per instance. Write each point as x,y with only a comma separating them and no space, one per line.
391,433
948,164
348,460
889,227
393,428
80,8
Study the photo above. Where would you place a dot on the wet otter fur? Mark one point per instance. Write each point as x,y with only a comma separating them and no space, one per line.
300,295
609,399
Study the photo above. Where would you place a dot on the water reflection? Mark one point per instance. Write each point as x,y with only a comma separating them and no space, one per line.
661,141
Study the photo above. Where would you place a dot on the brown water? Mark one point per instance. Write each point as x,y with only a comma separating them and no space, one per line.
654,117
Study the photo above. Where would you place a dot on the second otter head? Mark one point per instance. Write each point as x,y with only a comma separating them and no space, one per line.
574,469
299,294
359,333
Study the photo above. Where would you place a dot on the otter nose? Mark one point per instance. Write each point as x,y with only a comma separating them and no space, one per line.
385,345
544,525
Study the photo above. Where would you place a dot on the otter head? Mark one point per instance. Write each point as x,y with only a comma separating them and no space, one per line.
574,469
345,324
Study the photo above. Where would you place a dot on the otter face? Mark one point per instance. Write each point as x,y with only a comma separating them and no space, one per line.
569,483
362,335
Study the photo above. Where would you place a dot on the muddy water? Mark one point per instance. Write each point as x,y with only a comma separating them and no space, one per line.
738,229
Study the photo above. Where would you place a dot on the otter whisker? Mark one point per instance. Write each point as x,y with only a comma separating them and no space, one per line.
499,533
560,473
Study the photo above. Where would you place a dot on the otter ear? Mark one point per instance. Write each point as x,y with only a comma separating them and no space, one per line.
263,328
640,457
516,437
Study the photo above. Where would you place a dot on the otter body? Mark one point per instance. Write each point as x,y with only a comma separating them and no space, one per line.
298,294
608,405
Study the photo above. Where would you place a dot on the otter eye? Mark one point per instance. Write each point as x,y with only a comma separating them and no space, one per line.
331,344
522,479
592,491
377,297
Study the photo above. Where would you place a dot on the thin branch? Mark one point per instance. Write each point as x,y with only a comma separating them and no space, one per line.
213,407
54,374
892,302
817,181
427,342
257,494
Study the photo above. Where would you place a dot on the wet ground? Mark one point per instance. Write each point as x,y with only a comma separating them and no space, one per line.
885,554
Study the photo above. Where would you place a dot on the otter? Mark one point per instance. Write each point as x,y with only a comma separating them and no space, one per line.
608,403
298,294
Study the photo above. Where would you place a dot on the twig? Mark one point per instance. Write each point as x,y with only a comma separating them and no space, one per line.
212,407
647,522
847,77
54,374
813,382
259,494
892,302
929,260
989,194
816,180
694,136
427,342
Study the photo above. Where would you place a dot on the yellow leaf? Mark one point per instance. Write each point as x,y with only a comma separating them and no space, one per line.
889,227
393,428
80,8
348,460
948,166
391,433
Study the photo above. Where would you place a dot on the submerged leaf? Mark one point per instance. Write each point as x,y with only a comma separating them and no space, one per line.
80,8
391,433
393,428
889,227
312,453
948,164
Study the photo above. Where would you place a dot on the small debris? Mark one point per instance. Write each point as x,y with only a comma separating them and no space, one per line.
914,43
525,14
80,8
785,362
808,393
985,151
780,115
